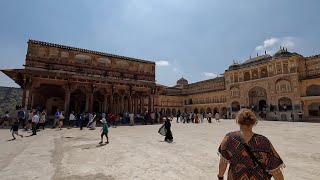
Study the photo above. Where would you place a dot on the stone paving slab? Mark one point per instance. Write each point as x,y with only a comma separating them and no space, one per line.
139,152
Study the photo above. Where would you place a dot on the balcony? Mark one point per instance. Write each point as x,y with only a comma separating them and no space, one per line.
309,75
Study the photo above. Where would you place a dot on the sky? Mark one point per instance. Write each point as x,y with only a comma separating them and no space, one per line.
196,39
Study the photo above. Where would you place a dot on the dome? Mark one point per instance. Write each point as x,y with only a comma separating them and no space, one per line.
282,53
182,81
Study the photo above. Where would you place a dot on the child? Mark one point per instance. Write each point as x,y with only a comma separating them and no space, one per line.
104,130
14,129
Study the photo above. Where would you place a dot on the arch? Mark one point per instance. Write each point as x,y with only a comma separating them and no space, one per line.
235,106
284,117
208,110
285,104
256,95
83,58
235,92
168,112
215,110
98,99
174,111
162,111
202,111
313,90
263,72
255,74
314,109
104,61
223,111
246,76
196,110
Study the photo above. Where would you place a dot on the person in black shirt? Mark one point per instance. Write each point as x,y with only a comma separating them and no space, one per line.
167,126
14,129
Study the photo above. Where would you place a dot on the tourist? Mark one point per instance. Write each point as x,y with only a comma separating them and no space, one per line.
104,130
14,129
146,117
217,117
178,115
115,120
35,121
30,116
152,117
92,126
275,116
131,116
6,119
230,117
300,115
167,125
201,117
61,118
42,121
242,158
209,117
196,118
158,117
22,117
72,119
90,117
292,117
56,118
82,120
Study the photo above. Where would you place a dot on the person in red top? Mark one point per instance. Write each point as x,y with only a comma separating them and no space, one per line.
115,120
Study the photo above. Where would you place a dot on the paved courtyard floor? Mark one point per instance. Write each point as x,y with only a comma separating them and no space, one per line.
139,152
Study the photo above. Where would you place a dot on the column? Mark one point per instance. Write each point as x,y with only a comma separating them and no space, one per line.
141,104
149,104
111,105
26,101
91,102
129,104
105,105
135,105
67,101
87,102
122,104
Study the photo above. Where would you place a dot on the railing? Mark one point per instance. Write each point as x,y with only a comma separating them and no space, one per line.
309,75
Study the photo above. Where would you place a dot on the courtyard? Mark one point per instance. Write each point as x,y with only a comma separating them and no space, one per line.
139,152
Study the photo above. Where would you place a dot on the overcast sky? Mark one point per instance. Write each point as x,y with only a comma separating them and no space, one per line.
196,39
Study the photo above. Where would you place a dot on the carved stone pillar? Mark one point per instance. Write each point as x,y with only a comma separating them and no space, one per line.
111,105
149,104
87,101
122,104
67,101
105,104
91,102
129,104
141,104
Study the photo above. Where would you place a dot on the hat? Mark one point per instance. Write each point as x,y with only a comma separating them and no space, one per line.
103,120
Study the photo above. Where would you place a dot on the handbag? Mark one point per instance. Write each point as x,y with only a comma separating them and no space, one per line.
256,162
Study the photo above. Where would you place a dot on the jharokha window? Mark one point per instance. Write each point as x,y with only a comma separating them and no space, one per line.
254,74
264,73
234,92
246,76
283,86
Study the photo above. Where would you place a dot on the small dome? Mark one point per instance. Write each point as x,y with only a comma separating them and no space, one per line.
182,81
282,53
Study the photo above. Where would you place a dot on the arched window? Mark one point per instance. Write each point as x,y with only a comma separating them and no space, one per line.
246,76
235,92
235,106
313,90
255,74
263,73
283,86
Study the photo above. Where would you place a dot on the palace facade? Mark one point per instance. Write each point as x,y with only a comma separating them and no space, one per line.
73,79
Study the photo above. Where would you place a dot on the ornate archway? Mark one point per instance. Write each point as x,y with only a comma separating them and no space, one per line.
257,97
235,106
208,110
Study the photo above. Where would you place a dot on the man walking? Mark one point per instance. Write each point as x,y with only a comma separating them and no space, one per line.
22,117
35,121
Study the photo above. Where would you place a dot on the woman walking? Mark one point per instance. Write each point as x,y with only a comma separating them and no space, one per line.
249,155
167,125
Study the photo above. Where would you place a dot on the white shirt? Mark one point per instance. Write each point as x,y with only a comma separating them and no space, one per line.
35,118
72,117
131,116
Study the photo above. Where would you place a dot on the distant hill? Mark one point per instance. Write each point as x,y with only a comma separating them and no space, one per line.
9,98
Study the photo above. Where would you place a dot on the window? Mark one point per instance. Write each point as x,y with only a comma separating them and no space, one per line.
234,92
283,86
246,76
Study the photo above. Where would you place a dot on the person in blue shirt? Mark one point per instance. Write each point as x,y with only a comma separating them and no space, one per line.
14,129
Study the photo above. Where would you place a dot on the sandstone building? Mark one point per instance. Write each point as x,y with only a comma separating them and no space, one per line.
68,78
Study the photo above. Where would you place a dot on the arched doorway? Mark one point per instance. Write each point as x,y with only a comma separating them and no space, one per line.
196,110
257,98
163,111
168,112
78,101
285,104
98,99
215,110
208,110
314,109
202,111
174,112
235,106
224,112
